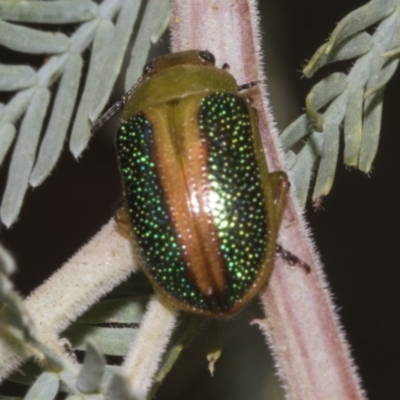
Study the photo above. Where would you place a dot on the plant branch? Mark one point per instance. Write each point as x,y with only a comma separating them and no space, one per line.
302,329
93,271
144,357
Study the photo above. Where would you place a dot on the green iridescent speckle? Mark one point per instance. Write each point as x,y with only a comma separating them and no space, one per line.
235,198
149,213
239,211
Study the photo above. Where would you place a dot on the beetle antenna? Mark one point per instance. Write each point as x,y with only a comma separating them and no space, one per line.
248,85
291,259
114,108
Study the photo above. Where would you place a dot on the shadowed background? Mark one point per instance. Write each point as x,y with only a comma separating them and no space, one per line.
357,233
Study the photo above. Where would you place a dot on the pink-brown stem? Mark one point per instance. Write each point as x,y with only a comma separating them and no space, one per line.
302,328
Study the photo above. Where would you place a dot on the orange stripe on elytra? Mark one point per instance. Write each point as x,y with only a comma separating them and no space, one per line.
181,166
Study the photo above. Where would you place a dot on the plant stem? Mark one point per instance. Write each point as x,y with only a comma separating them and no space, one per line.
302,329
143,359
93,271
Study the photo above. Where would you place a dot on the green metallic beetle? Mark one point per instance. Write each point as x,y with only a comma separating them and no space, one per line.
203,208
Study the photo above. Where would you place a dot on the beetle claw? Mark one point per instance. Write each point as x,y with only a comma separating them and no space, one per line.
247,86
292,259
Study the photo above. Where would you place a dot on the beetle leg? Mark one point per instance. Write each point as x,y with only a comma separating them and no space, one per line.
123,220
280,186
291,259
248,85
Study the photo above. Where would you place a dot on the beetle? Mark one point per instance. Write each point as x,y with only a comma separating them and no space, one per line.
203,209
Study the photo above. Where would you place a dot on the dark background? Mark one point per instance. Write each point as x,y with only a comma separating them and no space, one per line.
357,233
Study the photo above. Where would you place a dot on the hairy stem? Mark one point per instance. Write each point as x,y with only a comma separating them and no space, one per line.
302,329
93,271
144,357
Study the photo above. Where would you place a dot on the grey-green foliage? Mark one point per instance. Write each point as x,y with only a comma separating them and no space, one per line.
354,99
45,388
91,381
17,332
107,28
119,318
15,323
89,378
